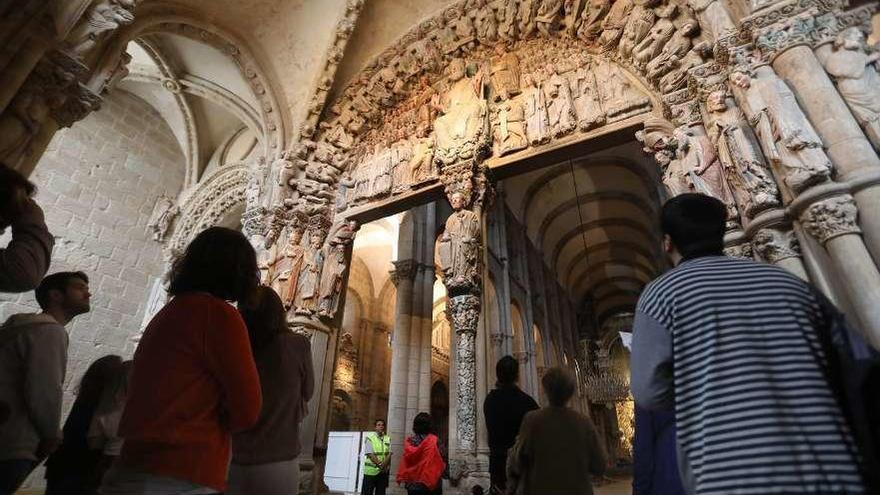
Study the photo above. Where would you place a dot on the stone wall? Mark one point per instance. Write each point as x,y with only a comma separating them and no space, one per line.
98,182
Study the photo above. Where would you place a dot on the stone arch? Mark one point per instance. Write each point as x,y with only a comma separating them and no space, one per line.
209,204
162,17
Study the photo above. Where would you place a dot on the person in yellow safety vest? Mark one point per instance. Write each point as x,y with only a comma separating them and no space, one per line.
377,448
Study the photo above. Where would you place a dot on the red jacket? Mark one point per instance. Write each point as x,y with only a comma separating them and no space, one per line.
193,383
421,463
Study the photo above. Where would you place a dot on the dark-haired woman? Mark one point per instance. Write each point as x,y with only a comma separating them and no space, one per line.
194,381
421,465
264,458
71,470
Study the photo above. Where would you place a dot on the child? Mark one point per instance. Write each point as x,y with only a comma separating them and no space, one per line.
103,433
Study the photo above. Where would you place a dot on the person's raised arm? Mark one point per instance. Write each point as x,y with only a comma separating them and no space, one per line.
651,364
25,260
231,360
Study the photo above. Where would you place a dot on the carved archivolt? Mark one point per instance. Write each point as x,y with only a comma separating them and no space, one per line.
209,203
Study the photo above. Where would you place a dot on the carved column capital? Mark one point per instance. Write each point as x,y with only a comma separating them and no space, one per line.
403,270
831,218
775,245
809,28
743,250
464,313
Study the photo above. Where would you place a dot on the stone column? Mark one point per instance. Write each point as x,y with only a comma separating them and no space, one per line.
464,314
833,222
416,342
788,46
402,276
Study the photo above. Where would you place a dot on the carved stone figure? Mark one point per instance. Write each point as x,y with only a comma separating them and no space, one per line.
382,169
507,19
613,23
103,17
164,212
510,128
674,50
254,189
557,94
504,73
855,72
571,13
401,157
461,129
657,136
486,24
618,96
421,165
639,24
535,108
548,16
528,9
698,158
677,78
786,136
308,286
286,171
587,104
284,269
591,21
653,43
332,279
344,192
740,153
459,247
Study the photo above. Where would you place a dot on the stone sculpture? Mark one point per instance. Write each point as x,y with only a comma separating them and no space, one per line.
614,23
504,73
657,138
785,134
486,23
587,104
557,94
661,32
548,16
458,249
102,18
571,15
507,19
618,96
591,21
528,9
740,153
676,78
164,212
639,24
460,130
284,269
673,51
421,165
854,70
510,128
697,157
309,284
535,108
335,266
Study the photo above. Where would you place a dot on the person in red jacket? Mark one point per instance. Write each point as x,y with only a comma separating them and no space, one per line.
421,465
194,381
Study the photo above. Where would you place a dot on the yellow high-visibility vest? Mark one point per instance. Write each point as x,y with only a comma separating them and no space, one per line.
381,447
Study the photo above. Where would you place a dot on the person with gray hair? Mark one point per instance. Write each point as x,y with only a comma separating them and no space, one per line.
557,448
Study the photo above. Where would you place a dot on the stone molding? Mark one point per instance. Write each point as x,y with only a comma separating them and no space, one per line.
830,218
403,270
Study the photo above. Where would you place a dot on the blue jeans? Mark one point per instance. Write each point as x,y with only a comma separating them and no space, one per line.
13,472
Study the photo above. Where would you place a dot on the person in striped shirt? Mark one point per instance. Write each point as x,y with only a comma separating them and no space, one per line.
733,346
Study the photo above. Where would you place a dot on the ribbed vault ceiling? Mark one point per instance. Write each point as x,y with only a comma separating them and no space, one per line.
594,219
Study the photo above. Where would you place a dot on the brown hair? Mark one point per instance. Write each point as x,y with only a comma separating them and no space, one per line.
265,318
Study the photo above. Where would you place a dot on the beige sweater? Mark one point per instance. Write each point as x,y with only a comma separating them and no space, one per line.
287,383
33,361
555,453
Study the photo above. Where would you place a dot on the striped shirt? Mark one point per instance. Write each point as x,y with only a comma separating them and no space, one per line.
735,345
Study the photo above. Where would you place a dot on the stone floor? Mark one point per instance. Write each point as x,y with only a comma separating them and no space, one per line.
620,486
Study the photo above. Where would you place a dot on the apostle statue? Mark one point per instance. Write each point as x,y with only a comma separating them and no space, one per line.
854,70
787,137
284,269
740,153
698,158
458,249
335,266
309,284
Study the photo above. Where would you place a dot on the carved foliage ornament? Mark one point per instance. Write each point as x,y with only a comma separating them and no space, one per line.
831,218
774,245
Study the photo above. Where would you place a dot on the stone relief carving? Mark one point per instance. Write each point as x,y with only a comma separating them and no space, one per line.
739,151
698,158
510,128
284,269
786,136
560,108
535,109
831,218
587,102
549,16
775,245
661,32
459,247
461,127
308,287
854,69
164,212
103,17
464,315
335,266
505,73
658,140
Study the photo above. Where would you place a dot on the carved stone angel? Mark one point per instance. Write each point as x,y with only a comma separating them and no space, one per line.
787,137
854,70
164,212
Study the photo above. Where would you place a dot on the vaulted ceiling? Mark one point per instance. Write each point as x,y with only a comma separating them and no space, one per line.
594,218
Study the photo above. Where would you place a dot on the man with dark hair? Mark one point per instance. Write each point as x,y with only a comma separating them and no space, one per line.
24,261
33,362
377,450
504,409
754,409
